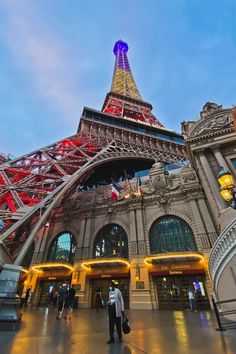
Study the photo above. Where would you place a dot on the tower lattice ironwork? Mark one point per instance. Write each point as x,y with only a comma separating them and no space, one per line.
33,184
124,99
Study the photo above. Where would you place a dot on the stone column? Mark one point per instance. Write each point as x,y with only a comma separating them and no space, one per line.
10,314
220,159
212,181
210,227
140,231
87,239
201,239
81,239
133,235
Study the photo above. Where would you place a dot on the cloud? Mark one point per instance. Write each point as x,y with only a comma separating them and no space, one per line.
41,54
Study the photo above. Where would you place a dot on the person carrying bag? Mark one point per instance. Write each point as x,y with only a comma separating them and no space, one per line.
115,310
125,325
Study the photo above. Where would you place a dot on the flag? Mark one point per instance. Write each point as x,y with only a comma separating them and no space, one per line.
115,191
138,189
127,186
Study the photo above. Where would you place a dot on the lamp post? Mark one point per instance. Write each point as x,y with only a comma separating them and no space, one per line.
227,186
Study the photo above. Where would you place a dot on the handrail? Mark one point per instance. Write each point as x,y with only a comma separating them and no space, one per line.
223,326
222,247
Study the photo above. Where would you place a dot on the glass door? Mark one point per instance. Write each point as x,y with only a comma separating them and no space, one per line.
103,286
173,292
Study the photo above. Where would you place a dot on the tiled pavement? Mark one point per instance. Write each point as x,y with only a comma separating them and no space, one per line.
153,332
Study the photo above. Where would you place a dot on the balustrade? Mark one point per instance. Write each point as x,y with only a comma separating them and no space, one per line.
221,249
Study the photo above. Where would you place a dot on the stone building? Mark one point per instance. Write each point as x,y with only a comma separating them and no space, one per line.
211,144
154,245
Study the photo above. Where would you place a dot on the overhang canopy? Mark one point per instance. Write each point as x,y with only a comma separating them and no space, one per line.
174,257
57,266
105,263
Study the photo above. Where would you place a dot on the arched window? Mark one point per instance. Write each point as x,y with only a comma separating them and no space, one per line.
62,248
111,241
171,234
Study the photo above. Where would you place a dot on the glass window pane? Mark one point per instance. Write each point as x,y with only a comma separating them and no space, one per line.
62,248
171,234
111,241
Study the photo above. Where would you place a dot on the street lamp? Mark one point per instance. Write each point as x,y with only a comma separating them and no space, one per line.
227,186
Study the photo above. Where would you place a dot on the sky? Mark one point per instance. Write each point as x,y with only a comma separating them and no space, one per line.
57,57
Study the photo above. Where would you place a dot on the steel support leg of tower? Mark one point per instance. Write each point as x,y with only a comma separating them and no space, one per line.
10,313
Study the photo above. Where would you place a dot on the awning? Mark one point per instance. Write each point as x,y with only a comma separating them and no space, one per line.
51,266
174,257
105,263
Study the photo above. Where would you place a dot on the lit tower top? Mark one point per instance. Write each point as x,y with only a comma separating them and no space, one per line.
124,99
123,81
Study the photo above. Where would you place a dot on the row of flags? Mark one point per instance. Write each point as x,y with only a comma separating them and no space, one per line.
116,189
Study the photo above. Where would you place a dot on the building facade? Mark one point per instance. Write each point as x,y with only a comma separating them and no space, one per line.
154,245
211,144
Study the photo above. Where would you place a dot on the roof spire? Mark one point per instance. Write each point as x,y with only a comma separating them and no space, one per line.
123,82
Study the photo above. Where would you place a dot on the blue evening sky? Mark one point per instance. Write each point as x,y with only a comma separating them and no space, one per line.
56,58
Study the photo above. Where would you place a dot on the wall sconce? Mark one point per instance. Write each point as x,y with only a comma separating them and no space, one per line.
137,273
227,187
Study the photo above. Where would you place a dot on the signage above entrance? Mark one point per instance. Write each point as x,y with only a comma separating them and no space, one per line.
177,268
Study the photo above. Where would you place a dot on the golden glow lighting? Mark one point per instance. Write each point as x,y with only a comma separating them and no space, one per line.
88,264
225,179
24,270
148,260
39,267
226,194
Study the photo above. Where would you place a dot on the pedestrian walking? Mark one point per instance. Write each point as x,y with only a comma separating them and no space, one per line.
27,295
98,299
115,311
69,302
192,299
62,294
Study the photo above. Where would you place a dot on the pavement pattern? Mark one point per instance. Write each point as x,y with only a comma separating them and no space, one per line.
153,332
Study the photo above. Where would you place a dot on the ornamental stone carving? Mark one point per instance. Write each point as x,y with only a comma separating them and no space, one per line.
217,122
188,175
163,199
209,108
212,118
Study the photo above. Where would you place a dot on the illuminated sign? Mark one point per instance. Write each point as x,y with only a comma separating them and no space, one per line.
171,272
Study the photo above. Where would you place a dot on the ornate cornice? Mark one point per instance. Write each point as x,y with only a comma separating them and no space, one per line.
212,123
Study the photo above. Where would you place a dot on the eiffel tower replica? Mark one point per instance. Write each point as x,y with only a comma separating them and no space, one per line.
125,133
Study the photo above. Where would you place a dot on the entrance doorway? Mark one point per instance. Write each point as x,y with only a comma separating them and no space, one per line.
47,286
103,286
173,292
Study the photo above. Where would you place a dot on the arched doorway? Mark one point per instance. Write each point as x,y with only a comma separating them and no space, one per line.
61,251
172,238
110,242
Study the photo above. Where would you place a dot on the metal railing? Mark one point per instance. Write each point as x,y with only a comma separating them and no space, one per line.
220,314
220,251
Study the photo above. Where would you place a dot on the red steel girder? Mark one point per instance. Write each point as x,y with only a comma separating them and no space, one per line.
28,179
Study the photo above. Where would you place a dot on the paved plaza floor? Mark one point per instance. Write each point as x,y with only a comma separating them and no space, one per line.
153,332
